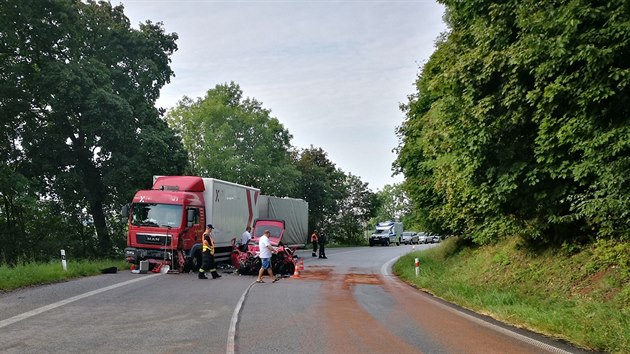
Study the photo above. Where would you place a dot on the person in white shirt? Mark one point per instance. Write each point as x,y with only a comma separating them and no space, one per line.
266,250
245,237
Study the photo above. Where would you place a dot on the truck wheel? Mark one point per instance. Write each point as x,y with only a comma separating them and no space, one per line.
387,243
371,244
397,243
196,262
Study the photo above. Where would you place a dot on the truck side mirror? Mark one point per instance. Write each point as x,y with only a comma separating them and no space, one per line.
190,217
125,211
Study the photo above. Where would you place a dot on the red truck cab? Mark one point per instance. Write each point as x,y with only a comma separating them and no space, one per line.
166,222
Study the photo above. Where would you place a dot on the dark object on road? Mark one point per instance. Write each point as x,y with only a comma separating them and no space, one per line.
110,270
282,262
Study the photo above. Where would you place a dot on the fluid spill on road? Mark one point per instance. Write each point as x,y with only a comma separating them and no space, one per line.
348,327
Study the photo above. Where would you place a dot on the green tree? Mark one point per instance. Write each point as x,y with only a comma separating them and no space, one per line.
321,184
393,203
235,139
79,88
520,122
356,208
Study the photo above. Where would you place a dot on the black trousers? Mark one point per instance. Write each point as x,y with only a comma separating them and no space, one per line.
322,251
314,247
207,262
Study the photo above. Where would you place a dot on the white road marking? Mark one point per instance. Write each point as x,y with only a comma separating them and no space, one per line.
37,311
234,321
385,271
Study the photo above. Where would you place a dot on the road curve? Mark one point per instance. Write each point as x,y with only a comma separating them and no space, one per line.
348,303
355,305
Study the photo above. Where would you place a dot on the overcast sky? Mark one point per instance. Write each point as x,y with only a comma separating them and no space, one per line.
332,72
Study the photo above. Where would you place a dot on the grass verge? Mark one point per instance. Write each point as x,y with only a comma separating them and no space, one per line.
28,274
579,295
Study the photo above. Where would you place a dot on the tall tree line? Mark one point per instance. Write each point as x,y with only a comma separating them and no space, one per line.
81,133
79,124
520,122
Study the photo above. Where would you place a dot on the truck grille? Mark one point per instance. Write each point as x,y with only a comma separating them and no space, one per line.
146,239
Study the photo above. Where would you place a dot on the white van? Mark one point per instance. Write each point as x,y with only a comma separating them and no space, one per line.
387,232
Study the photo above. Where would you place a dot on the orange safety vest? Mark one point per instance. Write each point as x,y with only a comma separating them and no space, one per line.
314,237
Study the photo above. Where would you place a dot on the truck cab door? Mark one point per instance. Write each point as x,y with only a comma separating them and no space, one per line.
194,227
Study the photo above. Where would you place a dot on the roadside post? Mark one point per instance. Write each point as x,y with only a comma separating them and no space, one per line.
417,267
63,260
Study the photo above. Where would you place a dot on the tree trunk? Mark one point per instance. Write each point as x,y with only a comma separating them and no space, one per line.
104,241
94,190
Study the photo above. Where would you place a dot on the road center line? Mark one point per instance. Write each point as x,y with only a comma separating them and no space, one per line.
37,311
234,321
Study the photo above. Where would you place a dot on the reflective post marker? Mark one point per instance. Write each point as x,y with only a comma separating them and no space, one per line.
63,260
417,267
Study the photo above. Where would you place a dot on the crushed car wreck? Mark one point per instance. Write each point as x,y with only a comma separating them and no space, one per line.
247,262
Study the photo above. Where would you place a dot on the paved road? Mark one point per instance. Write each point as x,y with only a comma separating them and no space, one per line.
348,303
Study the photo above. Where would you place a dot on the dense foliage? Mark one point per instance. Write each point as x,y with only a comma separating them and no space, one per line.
80,130
340,204
394,204
520,124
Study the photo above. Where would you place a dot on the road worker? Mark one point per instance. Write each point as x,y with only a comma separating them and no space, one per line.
207,263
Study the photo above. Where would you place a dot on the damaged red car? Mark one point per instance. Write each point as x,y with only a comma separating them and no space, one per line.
245,257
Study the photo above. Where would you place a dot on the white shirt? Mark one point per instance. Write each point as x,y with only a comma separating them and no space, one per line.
263,242
245,237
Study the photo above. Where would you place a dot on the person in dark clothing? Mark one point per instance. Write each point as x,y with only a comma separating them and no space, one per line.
314,241
322,241
207,255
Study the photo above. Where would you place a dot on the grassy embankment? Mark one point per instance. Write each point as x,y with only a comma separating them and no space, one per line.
43,273
579,295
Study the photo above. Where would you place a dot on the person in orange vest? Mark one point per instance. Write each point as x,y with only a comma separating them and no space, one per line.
314,241
207,255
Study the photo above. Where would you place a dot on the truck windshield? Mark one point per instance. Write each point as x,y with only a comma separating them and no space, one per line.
148,214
